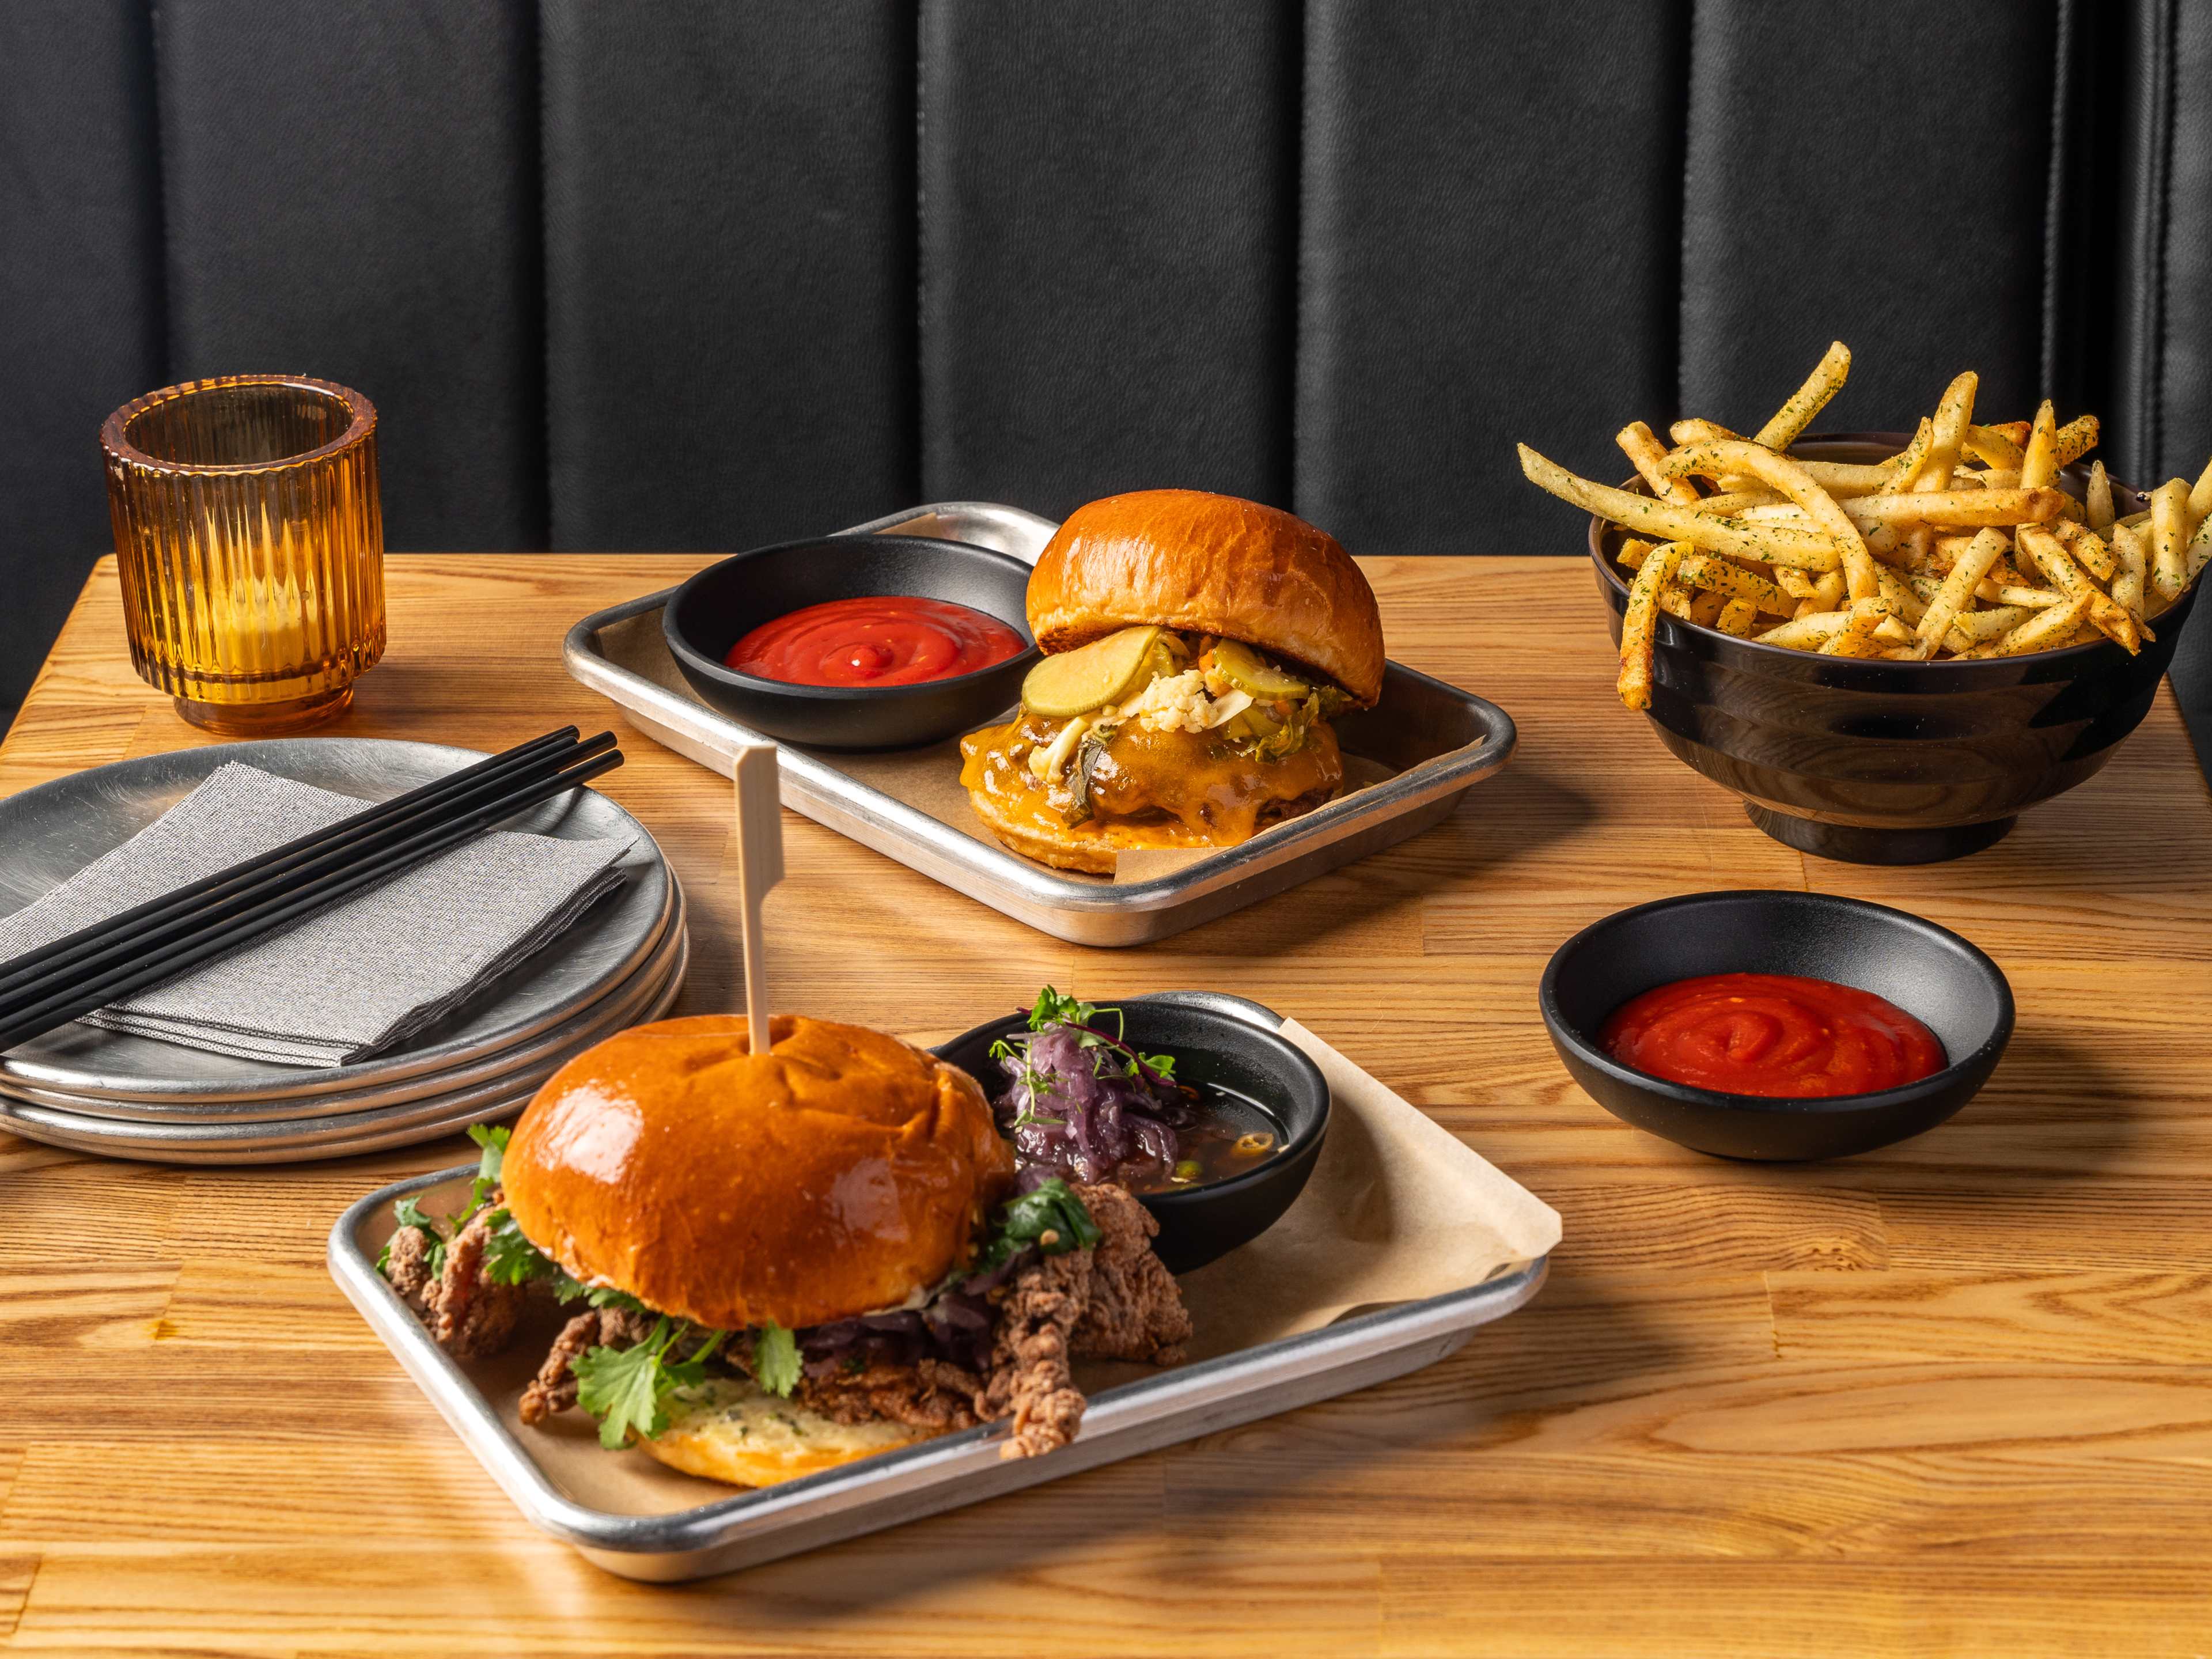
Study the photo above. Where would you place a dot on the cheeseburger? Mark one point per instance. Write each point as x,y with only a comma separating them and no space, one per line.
1196,648
759,1266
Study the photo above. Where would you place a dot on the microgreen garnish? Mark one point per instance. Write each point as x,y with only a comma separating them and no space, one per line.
1052,1210
1052,1009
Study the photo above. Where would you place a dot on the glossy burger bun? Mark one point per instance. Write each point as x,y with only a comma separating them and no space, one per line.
727,1429
1210,564
837,1175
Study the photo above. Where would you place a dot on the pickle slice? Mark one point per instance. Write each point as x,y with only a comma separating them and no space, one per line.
1248,671
1072,683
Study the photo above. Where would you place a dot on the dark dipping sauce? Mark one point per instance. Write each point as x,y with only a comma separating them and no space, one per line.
1083,1105
890,640
1771,1035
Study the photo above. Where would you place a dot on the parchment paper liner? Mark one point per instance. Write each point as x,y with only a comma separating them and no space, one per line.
1397,1209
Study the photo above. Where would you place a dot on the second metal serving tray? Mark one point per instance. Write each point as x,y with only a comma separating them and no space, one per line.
673,1542
1435,740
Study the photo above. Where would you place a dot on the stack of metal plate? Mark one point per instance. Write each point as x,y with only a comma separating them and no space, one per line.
622,963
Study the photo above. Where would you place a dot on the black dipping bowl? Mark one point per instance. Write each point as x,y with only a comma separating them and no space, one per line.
1930,972
1213,1045
726,601
1889,763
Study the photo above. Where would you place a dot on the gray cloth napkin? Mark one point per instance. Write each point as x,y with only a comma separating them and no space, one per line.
342,984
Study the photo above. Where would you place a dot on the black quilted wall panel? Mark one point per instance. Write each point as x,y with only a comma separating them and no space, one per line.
1488,252
729,212
352,193
80,296
1107,202
1878,176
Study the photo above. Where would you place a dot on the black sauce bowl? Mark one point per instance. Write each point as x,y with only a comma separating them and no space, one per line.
1889,763
726,600
1216,1042
1930,972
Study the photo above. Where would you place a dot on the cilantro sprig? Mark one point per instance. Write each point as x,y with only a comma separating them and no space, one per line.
1052,1218
628,1389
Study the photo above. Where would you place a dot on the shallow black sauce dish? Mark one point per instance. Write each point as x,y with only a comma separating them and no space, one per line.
1214,1048
1931,973
727,600
1889,763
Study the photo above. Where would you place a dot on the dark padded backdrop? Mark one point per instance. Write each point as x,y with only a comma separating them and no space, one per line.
697,275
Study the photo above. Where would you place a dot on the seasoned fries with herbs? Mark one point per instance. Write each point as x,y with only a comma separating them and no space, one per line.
1967,543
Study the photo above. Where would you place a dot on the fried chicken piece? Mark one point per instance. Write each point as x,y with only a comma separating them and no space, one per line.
470,1316
407,1263
554,1388
1029,1379
1134,1308
931,1394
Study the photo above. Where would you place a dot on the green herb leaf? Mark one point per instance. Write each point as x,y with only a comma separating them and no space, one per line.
1023,1221
567,1289
622,1388
775,1359
408,1213
509,1258
1052,1009
1162,1065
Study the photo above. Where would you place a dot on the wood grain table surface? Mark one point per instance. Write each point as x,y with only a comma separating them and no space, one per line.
1953,1397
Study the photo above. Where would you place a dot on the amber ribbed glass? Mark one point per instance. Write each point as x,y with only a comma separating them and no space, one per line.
251,544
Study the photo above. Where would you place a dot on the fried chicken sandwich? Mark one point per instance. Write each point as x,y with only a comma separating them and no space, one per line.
1197,647
777,1264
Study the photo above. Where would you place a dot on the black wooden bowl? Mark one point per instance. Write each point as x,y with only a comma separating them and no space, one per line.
1213,1046
724,601
1889,763
1932,974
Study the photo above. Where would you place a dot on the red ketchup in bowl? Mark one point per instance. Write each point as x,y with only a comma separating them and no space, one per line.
889,640
1771,1034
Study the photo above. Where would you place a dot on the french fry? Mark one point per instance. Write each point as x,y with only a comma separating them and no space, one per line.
2100,496
2038,462
1954,415
1857,637
1693,432
2069,579
1793,582
1652,577
1734,502
1980,627
1805,633
2087,545
1736,617
2076,439
1676,603
2200,496
1770,544
1737,458
1954,506
2169,539
1704,609
1847,477
1906,464
1646,452
1797,412
2134,571
1720,579
1993,446
2045,630
1634,552
1903,601
1958,588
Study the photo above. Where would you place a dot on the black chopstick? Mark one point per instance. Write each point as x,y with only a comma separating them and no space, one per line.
215,896
82,994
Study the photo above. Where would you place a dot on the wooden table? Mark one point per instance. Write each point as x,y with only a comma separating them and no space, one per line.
1952,1397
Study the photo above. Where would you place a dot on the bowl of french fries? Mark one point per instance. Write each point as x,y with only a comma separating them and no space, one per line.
1889,643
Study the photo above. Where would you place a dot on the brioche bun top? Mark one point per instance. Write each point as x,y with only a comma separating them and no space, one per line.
1210,564
837,1174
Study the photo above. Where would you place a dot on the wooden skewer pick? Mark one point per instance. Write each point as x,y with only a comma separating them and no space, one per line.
760,866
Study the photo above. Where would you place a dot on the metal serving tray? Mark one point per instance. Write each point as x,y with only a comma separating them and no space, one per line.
928,1479
1437,739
